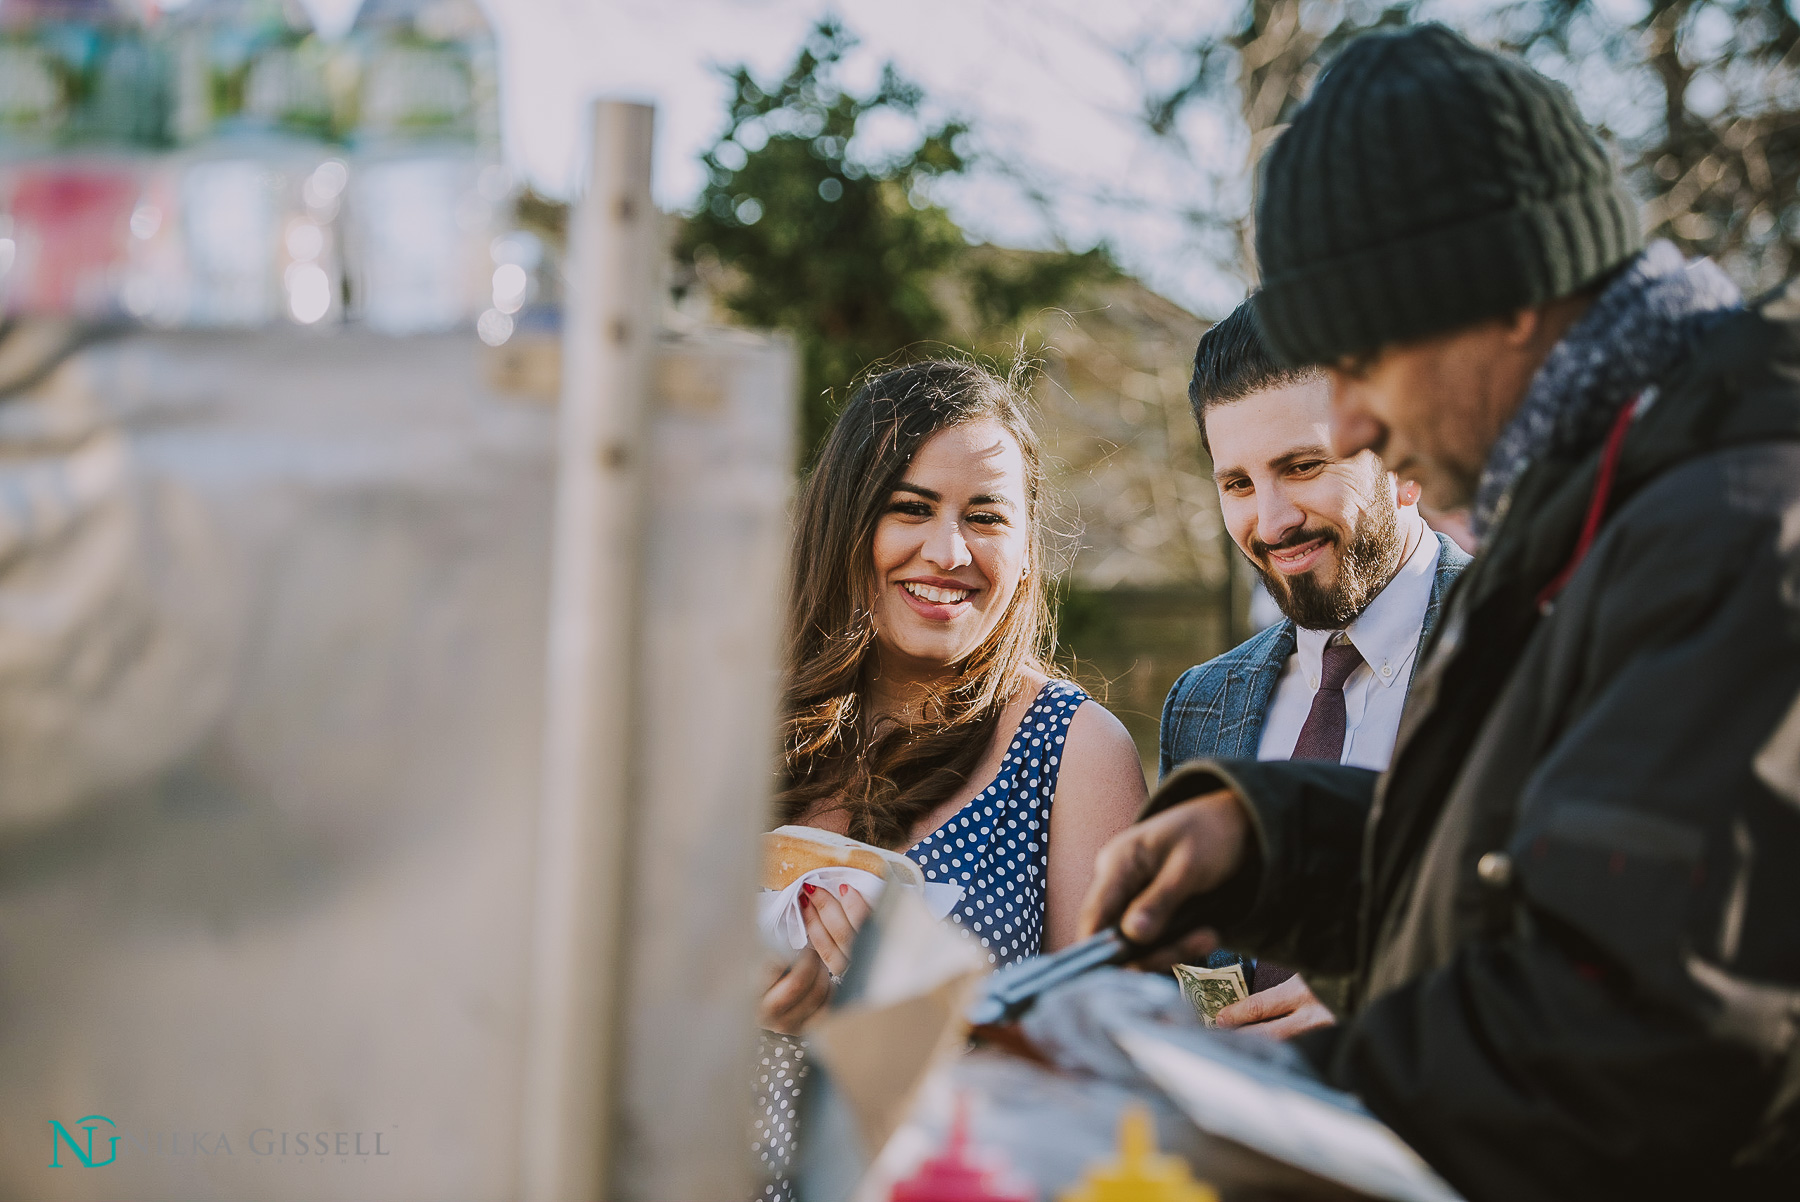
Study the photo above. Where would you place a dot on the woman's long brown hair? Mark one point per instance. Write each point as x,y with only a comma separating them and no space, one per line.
889,776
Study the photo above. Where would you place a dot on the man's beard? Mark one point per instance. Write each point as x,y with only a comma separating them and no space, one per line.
1364,568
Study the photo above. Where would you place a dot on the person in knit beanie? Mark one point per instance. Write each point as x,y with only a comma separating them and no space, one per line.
1565,914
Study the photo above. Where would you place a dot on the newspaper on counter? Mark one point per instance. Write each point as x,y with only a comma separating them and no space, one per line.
1263,1096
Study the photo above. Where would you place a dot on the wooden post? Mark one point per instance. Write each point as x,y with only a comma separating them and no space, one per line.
589,764
722,447
671,545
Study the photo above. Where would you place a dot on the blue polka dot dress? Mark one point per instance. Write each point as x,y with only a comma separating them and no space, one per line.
996,846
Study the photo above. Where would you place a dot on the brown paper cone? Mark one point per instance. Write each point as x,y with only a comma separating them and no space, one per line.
878,1055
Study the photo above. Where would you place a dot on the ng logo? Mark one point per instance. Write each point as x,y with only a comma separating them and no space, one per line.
59,1136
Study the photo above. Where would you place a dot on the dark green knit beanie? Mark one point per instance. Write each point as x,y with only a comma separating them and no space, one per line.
1427,185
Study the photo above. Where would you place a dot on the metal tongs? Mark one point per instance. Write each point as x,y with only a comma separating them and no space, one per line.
1012,991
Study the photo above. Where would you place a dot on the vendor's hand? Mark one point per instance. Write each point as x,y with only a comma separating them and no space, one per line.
832,919
1279,1012
1192,948
1150,869
794,994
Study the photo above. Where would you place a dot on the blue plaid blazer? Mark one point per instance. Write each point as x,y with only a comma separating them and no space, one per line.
1216,710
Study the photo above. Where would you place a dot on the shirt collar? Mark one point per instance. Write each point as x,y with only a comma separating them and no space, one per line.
1386,633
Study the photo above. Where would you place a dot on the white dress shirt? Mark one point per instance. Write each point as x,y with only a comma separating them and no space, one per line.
1387,635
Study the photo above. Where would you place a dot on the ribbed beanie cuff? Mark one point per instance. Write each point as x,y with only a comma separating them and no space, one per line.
1539,215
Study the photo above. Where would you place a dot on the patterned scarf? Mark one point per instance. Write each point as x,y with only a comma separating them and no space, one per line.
1647,320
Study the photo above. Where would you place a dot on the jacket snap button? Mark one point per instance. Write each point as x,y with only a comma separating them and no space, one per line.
1495,868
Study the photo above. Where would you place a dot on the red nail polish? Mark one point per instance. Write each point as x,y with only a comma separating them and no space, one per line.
843,891
804,901
806,888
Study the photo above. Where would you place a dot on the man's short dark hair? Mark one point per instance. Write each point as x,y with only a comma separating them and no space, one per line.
1232,362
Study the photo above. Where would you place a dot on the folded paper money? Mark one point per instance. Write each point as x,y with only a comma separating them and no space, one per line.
1210,990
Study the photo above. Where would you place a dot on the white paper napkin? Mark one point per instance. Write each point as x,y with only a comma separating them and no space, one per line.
783,928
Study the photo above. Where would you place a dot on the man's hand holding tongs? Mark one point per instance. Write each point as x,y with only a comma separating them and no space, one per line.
1147,871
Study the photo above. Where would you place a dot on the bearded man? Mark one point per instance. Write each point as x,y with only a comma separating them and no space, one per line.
1340,545
1567,911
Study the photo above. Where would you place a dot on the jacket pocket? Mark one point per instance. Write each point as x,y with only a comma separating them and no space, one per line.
1622,880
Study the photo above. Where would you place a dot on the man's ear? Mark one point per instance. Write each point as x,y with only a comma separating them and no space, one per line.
1521,327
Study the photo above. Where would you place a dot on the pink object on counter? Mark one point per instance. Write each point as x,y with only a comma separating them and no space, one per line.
954,1176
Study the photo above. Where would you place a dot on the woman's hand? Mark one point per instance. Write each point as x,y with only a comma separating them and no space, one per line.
795,994
803,988
832,920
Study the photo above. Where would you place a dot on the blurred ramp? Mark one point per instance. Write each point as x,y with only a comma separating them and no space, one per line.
281,949
115,609
311,916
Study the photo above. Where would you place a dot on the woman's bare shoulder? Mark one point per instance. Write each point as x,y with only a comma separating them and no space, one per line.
1095,733
1099,792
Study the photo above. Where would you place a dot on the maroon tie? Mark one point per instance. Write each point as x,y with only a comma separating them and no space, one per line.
1322,737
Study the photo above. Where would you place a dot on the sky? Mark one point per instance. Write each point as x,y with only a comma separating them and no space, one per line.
1043,82
1051,88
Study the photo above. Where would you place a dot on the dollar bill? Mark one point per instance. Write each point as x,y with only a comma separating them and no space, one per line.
1210,990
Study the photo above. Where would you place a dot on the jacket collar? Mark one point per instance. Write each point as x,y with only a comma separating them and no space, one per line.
1650,317
1257,672
1264,654
1452,559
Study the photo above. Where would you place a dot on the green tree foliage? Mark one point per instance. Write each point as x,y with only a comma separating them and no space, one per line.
850,255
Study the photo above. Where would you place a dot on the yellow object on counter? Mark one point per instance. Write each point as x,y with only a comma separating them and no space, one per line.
1140,1174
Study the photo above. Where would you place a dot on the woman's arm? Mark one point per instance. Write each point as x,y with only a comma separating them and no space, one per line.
1099,791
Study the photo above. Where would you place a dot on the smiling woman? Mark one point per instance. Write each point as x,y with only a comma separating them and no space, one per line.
920,714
